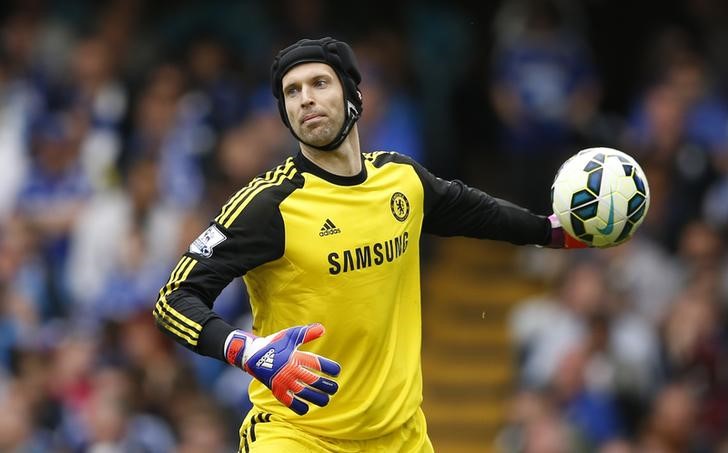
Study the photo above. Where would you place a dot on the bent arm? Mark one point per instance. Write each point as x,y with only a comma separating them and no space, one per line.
184,308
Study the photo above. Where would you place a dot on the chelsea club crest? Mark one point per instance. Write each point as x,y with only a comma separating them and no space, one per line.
400,206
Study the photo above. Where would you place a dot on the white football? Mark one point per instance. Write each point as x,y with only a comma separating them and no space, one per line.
600,196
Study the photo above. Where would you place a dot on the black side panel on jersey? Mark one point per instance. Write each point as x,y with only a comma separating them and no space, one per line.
454,209
247,233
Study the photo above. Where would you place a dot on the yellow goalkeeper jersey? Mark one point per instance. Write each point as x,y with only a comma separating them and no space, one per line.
343,251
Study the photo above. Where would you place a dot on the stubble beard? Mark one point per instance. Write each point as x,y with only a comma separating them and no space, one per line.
319,135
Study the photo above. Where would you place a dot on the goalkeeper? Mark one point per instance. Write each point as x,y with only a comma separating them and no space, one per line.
329,242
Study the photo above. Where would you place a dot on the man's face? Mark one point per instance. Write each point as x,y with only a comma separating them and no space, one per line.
314,101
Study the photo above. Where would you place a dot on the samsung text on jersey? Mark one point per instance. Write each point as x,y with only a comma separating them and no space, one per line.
368,255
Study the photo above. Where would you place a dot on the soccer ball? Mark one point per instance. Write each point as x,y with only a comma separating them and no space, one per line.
600,196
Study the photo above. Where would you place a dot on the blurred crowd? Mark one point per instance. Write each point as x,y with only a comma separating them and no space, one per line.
629,351
124,126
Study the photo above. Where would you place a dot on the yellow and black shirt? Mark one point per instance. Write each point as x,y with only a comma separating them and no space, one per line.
343,251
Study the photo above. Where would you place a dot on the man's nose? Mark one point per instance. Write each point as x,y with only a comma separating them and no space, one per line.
306,98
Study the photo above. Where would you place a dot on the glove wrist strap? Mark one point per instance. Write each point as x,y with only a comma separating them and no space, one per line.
239,345
557,239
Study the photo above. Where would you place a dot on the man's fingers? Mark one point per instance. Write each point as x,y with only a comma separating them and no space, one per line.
317,382
296,381
317,398
318,363
310,333
329,366
325,385
298,406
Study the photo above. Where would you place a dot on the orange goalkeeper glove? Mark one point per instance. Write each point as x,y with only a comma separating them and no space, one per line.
276,362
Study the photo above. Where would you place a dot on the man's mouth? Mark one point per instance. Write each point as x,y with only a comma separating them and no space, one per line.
311,116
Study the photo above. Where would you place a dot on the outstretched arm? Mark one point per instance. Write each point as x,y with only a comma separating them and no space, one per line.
454,209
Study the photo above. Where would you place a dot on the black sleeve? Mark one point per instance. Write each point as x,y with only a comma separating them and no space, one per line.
454,209
226,250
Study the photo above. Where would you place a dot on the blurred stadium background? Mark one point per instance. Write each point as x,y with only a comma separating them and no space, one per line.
124,125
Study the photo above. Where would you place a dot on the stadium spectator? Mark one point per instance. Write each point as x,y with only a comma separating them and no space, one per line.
136,232
670,425
50,201
392,121
169,126
544,89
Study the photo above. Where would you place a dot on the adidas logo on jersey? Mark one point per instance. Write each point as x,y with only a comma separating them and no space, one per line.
329,228
267,360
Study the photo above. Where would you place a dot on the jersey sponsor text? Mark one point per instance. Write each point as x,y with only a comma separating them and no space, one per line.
368,255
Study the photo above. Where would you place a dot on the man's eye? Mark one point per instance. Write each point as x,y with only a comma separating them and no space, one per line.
320,83
291,91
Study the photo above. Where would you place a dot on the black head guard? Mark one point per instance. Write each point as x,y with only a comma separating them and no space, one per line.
340,57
